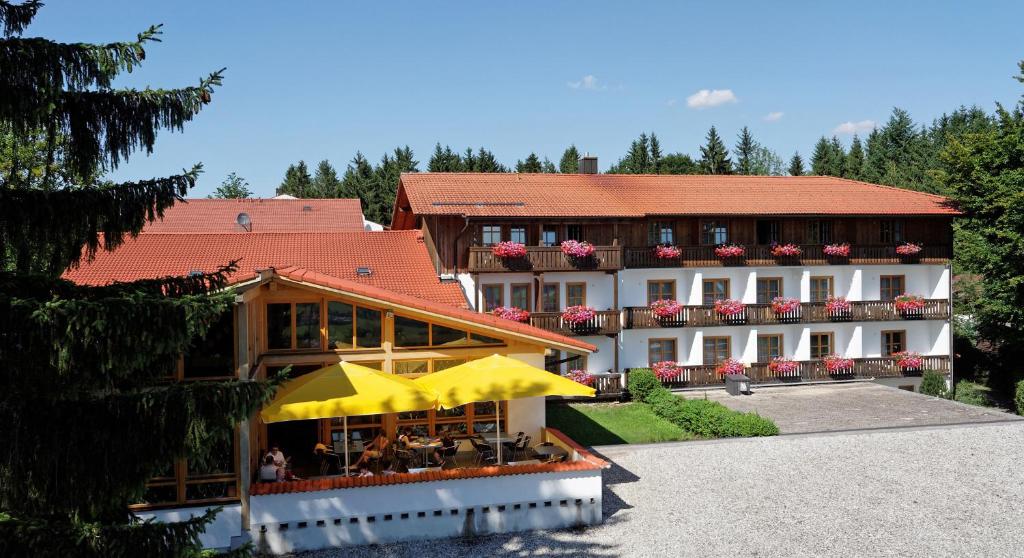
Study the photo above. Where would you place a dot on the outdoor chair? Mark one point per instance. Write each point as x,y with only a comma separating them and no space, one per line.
406,459
522,449
484,454
510,447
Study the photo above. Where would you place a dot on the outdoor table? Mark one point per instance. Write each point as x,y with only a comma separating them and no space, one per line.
496,437
549,451
425,447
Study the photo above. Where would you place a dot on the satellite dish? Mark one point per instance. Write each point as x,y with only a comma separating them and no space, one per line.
244,221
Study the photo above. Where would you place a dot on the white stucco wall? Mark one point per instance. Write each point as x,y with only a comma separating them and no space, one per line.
600,286
226,525
527,415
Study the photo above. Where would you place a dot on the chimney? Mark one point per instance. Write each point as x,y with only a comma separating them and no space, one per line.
588,164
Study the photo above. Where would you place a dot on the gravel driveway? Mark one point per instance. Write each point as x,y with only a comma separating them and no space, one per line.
938,491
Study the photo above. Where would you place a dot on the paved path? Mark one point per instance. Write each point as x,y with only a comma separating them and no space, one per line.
936,492
853,406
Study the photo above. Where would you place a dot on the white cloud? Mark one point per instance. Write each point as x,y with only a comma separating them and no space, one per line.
706,98
854,127
588,82
773,116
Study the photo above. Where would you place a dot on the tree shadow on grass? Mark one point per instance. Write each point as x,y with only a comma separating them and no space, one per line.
581,428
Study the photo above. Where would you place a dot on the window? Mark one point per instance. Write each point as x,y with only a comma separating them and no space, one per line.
553,362
890,231
716,349
411,333
661,232
302,319
660,350
340,325
660,290
715,289
768,288
549,298
494,296
821,288
575,294
893,342
208,480
369,328
576,362
279,326
821,344
411,366
574,232
478,339
767,231
714,232
213,355
520,296
891,286
517,234
819,231
768,347
445,336
549,236
491,234
307,325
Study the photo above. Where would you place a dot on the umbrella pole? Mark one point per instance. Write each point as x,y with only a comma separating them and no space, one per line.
497,427
345,421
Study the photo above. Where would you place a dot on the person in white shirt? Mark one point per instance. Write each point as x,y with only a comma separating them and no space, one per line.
270,472
279,459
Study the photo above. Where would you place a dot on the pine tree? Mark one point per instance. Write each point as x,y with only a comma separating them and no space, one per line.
88,416
655,166
714,157
820,159
854,167
836,158
326,183
531,164
233,187
469,161
796,165
444,160
297,181
548,167
570,162
380,201
357,182
745,147
486,162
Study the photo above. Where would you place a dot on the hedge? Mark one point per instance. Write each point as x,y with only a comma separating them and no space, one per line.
972,394
1019,398
934,383
708,419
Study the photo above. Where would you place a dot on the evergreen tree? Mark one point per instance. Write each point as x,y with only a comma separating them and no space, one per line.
88,416
444,160
297,181
644,157
714,157
358,182
486,162
469,161
821,158
765,162
678,163
531,164
796,165
380,201
836,158
854,167
570,162
548,167
326,183
233,187
655,155
745,147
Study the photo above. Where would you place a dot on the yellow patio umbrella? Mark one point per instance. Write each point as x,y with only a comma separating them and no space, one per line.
496,378
343,390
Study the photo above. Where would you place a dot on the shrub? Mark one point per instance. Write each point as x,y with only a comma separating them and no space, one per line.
934,384
640,382
972,394
708,419
1019,398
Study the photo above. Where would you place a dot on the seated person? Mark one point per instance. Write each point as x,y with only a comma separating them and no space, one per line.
374,450
279,458
404,437
270,472
333,460
364,471
390,470
448,448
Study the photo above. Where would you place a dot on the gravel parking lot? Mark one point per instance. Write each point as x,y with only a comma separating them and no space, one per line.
935,491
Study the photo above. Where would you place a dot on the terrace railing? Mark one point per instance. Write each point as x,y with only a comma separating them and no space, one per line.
604,322
544,258
704,256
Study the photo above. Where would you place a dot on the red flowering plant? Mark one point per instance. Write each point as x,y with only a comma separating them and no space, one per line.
511,313
667,308
577,249
907,360
666,370
908,249
729,307
730,366
909,303
730,251
575,315
509,249
784,366
667,252
837,250
580,376
783,305
836,364
786,250
837,305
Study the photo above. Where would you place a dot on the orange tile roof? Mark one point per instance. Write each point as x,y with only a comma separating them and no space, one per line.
267,215
623,195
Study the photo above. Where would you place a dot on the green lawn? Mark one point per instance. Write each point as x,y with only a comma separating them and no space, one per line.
597,424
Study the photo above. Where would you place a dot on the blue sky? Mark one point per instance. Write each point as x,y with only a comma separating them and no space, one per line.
320,80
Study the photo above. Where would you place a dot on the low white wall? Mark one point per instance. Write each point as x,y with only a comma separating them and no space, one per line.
218,535
428,510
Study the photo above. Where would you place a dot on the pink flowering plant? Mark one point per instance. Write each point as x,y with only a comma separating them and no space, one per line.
667,252
509,249
730,251
577,249
837,305
837,250
730,366
784,366
836,364
907,360
909,303
581,377
666,308
908,249
783,305
729,307
786,250
666,370
575,315
511,313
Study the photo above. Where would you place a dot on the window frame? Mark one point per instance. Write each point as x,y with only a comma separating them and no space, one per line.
709,232
704,290
558,296
820,231
545,231
757,286
571,229
529,299
830,335
888,293
580,284
781,340
887,345
659,231
715,338
675,349
512,234
891,231
483,295
774,227
671,283
293,321
811,291
487,233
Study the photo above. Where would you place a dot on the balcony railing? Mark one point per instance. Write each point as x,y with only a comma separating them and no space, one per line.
604,322
704,256
641,317
810,370
545,258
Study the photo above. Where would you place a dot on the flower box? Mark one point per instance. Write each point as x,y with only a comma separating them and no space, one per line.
667,371
909,306
729,307
509,250
909,249
581,376
726,251
511,313
836,250
786,251
784,367
667,252
581,320
577,249
786,308
730,366
908,361
667,310
837,308
835,364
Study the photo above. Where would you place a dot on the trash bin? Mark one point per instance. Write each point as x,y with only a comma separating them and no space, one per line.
737,384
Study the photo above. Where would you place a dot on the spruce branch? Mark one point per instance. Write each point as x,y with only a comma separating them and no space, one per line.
16,17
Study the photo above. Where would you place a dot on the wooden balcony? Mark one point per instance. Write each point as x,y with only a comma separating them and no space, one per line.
641,317
809,371
704,256
544,258
604,322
